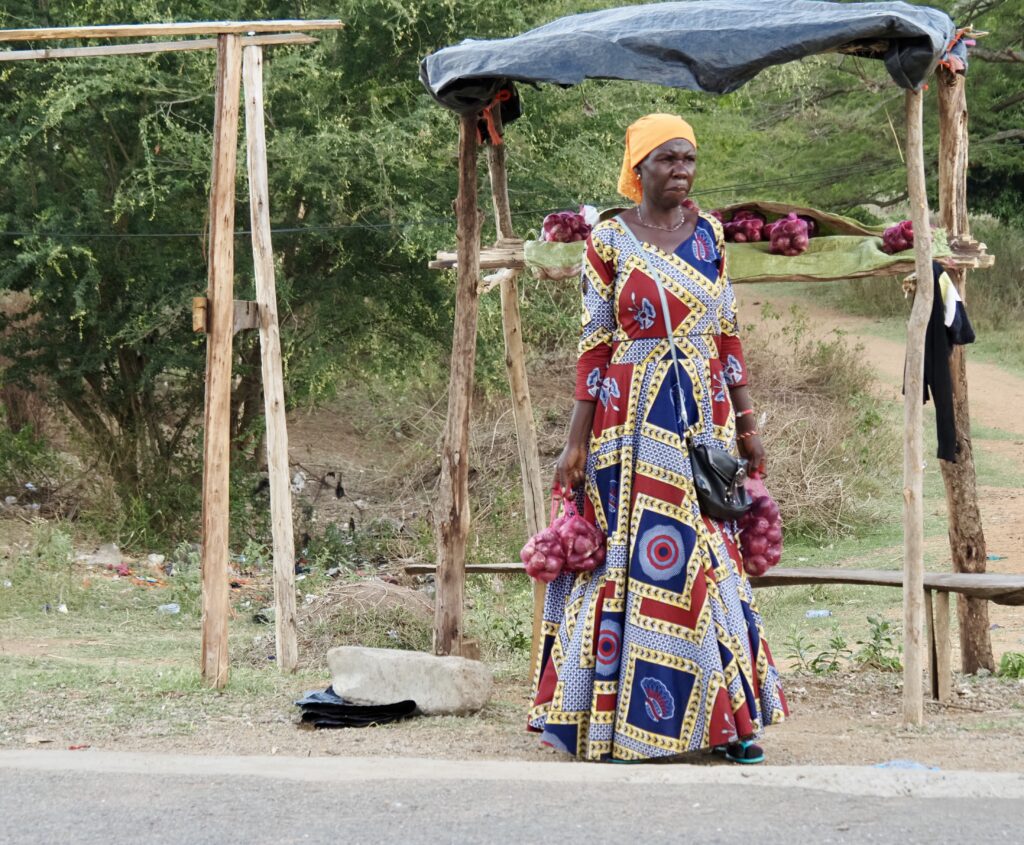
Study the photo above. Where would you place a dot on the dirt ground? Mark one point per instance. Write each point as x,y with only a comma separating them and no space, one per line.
850,718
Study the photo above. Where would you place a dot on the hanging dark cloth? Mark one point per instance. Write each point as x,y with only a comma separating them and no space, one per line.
948,325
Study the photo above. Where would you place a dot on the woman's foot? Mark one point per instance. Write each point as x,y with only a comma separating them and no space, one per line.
745,751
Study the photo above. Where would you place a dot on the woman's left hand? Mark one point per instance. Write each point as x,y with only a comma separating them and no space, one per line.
752,449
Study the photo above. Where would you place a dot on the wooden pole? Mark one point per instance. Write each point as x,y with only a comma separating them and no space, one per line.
913,449
149,30
534,500
966,535
147,48
273,378
216,441
453,496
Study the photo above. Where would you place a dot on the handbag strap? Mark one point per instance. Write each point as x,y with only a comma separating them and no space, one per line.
669,334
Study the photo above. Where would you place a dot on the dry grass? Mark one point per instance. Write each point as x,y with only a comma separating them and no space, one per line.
367,613
831,448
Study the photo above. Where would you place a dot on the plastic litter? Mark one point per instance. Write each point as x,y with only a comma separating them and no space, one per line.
817,614
908,765
995,557
170,609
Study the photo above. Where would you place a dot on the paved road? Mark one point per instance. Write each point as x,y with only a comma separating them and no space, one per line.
104,797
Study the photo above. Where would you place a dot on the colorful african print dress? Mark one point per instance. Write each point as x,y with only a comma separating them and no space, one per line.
660,650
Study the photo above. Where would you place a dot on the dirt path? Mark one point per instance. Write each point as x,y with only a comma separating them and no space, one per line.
992,391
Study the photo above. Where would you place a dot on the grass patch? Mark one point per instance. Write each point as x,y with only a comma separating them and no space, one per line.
995,299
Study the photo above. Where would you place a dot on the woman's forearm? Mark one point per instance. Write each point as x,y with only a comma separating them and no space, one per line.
581,422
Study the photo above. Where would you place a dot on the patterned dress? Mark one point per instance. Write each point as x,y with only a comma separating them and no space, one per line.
660,650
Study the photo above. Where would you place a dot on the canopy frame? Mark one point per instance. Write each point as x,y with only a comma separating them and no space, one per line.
966,536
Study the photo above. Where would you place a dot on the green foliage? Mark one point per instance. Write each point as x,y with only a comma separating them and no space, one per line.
1011,665
42,578
500,614
881,650
832,657
798,651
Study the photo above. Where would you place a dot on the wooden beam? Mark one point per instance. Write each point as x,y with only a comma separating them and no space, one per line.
216,441
913,448
150,30
246,315
995,587
152,47
452,514
535,502
966,534
200,314
286,632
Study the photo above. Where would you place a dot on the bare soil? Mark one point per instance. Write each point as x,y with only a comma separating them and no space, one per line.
841,719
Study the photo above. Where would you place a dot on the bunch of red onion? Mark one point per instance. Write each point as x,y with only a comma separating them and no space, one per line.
789,235
745,227
582,541
543,555
898,238
761,530
569,544
565,227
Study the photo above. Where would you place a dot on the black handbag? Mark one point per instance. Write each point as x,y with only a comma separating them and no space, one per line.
719,477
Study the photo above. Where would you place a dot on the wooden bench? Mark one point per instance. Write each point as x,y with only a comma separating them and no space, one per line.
996,587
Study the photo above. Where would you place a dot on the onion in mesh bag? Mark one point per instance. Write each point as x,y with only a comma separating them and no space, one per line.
760,530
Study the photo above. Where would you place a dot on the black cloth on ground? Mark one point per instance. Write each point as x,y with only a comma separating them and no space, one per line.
326,709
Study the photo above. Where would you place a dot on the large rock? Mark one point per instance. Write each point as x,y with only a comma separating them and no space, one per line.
438,685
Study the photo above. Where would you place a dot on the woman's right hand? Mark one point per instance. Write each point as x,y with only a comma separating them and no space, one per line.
571,465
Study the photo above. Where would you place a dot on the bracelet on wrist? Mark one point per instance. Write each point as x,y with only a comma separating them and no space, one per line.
746,434
744,413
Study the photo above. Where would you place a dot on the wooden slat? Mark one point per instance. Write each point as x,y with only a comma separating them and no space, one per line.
246,315
152,47
286,632
973,256
149,30
993,586
216,441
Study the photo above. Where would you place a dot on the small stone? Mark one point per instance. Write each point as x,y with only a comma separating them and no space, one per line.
982,672
438,685
10,500
63,608
156,560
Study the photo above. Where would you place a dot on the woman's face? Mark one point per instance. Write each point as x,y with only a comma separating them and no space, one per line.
668,171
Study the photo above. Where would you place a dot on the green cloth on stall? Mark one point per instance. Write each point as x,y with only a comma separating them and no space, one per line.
828,256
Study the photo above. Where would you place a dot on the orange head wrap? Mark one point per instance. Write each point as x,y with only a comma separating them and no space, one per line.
648,133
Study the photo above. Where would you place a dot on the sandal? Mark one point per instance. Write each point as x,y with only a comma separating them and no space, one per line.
745,752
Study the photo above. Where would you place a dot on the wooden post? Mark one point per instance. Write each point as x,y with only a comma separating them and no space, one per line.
534,500
913,451
943,662
966,536
453,496
216,441
286,636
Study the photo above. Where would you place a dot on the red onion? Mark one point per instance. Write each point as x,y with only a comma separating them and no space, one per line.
543,555
565,227
898,238
761,530
788,235
745,227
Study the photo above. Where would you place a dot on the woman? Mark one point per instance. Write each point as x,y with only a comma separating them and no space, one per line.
660,650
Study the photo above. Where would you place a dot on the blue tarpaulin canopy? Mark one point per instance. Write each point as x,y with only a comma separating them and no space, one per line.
703,45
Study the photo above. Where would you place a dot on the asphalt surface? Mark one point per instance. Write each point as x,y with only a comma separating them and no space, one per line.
105,797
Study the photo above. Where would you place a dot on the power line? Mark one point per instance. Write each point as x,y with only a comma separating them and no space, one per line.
810,177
